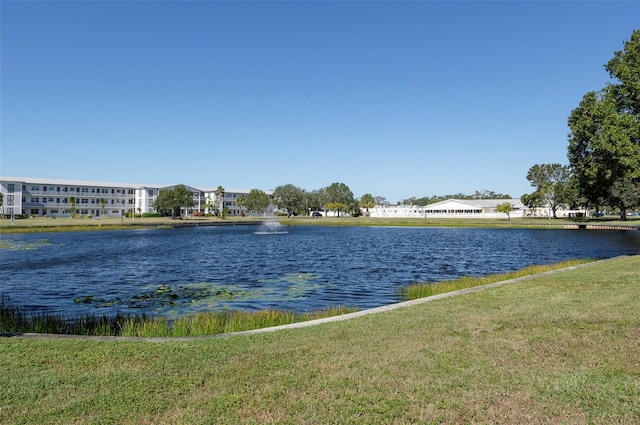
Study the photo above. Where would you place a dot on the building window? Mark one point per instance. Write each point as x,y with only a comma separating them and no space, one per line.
11,187
35,188
10,200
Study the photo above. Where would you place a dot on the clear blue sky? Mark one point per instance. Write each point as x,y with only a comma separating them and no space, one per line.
396,99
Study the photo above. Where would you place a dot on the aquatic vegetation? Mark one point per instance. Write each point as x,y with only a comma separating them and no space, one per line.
296,286
14,245
296,278
427,289
16,318
163,295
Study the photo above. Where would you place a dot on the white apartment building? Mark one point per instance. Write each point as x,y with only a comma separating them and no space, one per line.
58,197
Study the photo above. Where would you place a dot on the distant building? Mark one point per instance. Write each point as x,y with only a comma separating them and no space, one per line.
57,197
451,208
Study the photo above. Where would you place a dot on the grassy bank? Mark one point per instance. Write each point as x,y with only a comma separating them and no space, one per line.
32,225
427,289
15,318
559,348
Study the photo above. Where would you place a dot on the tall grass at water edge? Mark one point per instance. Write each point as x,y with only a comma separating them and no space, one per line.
18,319
427,289
220,322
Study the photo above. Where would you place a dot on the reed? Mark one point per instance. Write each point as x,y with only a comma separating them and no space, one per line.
17,318
219,322
427,289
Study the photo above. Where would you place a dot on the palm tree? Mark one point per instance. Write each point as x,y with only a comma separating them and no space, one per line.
102,203
240,202
220,199
72,201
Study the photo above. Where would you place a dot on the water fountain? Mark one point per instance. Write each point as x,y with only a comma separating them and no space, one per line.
271,225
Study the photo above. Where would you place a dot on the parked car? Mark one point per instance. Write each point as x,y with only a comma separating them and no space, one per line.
316,214
634,214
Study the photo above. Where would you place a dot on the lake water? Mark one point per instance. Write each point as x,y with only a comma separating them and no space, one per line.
176,271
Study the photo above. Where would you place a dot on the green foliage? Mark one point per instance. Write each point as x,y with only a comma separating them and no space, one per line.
257,201
289,197
551,182
604,143
505,208
427,200
367,201
428,289
15,318
338,197
174,199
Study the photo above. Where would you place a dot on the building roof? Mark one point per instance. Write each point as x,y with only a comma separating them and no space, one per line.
471,204
69,182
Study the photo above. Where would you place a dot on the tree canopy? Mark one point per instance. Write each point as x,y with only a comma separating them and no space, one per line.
288,197
338,197
551,183
367,201
257,201
174,199
505,208
604,142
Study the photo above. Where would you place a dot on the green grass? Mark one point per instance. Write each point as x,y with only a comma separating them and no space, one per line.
556,348
427,289
15,318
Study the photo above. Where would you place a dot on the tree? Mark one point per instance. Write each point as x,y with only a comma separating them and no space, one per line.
381,200
339,196
257,201
288,197
2,204
240,201
505,208
550,182
102,202
219,202
532,200
604,142
72,202
367,201
174,200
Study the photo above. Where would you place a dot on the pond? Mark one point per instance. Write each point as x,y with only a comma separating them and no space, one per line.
171,272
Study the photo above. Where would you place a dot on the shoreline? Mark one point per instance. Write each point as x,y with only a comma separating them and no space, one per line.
32,225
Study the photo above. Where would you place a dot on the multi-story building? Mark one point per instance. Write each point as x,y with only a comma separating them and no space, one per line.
62,198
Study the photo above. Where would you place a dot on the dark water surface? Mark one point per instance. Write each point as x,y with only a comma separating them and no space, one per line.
177,271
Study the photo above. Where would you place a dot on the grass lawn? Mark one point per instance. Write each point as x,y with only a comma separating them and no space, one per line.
560,348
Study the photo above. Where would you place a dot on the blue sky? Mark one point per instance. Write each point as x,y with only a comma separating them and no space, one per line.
396,99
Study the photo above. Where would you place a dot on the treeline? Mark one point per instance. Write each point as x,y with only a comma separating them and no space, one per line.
478,194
